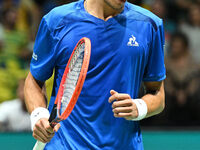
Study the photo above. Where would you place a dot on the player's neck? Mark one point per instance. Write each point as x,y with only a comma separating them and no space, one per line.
100,9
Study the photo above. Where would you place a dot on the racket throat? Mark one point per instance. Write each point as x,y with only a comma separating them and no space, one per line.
53,113
54,119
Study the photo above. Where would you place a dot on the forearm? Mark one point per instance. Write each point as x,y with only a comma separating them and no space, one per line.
155,101
35,100
34,96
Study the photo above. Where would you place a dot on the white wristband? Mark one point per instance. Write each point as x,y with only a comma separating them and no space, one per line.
37,114
142,109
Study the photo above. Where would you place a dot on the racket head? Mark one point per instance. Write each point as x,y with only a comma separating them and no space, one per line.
80,57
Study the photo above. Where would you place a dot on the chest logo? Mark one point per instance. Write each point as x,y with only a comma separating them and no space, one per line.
132,42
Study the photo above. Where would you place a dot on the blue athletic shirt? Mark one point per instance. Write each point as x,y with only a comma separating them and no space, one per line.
126,50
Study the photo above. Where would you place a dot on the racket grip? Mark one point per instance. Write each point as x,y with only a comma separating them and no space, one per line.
39,146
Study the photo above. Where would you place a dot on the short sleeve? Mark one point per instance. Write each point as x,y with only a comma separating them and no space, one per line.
43,58
155,68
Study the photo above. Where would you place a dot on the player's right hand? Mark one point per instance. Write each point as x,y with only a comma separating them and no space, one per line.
43,132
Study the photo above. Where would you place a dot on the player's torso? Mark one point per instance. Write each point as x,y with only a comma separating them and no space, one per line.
119,53
120,43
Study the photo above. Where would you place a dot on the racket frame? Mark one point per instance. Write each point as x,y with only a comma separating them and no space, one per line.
55,116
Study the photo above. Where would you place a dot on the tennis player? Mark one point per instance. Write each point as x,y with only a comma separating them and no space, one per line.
127,49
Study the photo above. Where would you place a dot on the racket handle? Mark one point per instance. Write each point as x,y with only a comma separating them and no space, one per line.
39,146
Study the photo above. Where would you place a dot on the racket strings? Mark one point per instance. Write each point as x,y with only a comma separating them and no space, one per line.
73,75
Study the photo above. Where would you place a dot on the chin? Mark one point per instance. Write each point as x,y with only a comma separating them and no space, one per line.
115,4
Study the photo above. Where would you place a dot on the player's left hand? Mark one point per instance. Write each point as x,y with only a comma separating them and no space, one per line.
123,106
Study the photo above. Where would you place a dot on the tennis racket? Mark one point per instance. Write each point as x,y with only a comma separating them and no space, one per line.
71,85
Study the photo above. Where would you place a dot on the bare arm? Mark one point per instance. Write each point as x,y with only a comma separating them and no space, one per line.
35,98
123,105
34,95
154,98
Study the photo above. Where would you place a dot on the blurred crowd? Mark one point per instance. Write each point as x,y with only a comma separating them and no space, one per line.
19,21
182,59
